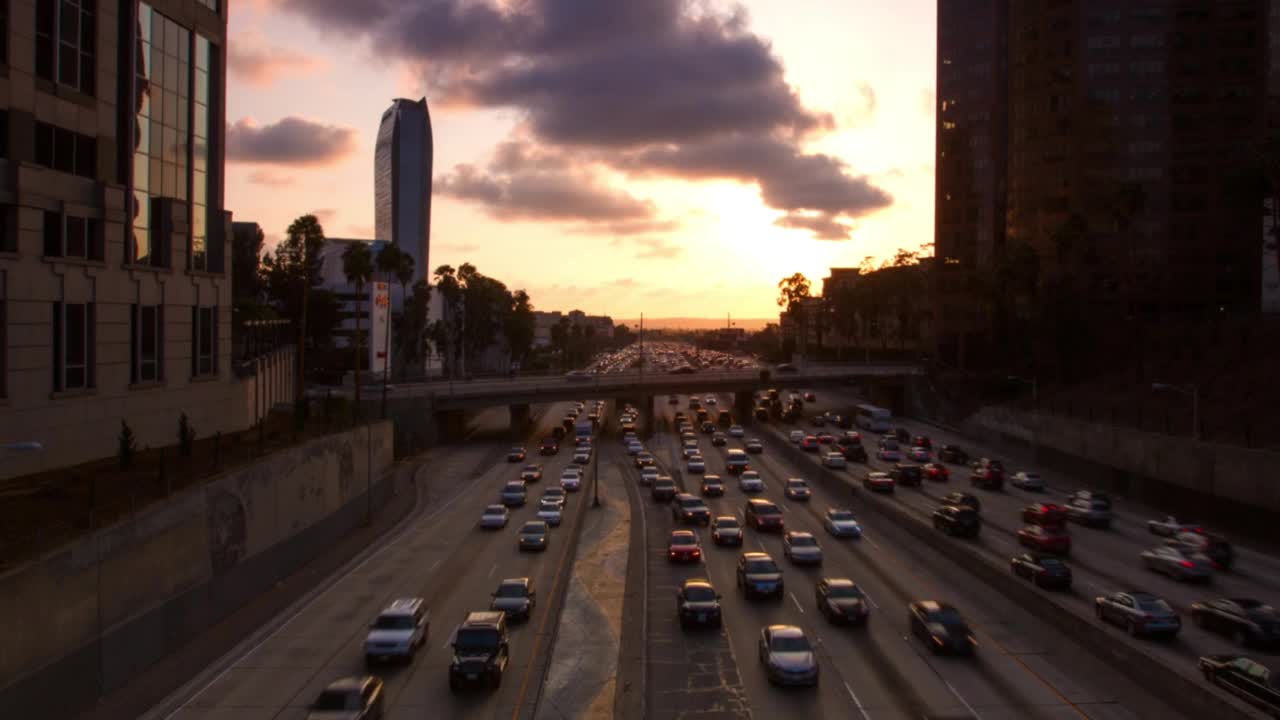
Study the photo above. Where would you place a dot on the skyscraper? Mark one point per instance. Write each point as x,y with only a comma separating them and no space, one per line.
402,181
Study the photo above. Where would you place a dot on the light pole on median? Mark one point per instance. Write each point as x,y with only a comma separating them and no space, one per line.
1193,391
595,451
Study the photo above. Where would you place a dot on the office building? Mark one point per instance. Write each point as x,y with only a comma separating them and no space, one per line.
402,182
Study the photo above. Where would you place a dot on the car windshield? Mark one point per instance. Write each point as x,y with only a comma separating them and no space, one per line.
691,503
789,643
683,538
549,504
337,700
1051,563
512,590
761,566
533,529
727,523
514,488
699,593
804,541
664,483
767,509
517,449
477,639
889,444
553,492
495,510
841,515
844,591
1153,605
531,468
393,622
948,617
793,483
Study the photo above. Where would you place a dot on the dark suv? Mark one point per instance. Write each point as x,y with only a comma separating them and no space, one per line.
763,515
906,474
957,520
689,509
480,651
953,454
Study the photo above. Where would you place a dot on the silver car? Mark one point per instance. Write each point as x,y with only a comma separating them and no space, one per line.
787,656
1139,613
842,523
1027,480
801,548
1169,526
550,511
750,482
494,517
1092,512
1178,563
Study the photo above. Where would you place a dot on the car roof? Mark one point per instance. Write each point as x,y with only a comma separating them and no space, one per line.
494,509
795,480
787,631
521,581
722,518
756,556
838,582
348,684
798,534
534,524
483,618
681,534
697,582
402,606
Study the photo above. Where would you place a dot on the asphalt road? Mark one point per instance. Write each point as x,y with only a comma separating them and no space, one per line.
1022,670
442,556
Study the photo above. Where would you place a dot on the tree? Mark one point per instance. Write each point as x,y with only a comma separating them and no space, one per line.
357,265
520,326
413,325
792,291
560,340
246,256
485,303
290,277
447,333
622,336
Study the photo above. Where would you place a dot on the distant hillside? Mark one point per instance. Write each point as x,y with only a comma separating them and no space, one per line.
681,323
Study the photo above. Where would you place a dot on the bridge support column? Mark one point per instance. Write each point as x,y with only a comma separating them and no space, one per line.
519,420
744,407
450,424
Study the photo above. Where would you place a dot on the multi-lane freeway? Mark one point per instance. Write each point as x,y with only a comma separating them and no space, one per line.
1023,668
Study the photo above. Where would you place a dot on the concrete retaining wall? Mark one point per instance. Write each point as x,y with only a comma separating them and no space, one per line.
85,619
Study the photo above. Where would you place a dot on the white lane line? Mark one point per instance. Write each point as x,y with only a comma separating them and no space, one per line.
797,602
434,564
871,600
964,702
874,544
447,642
857,702
493,570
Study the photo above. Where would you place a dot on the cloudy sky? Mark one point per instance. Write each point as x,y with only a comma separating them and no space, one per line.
671,157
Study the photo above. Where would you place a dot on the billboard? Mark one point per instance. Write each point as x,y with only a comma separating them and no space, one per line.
379,325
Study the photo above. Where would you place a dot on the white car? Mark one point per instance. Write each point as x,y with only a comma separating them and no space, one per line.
801,548
697,465
796,436
648,475
834,460
581,456
571,478
1170,526
550,512
399,630
494,517
691,451
750,482
1027,480
920,454
709,400
841,523
736,431
635,448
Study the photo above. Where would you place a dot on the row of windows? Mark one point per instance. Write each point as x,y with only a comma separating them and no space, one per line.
66,151
75,344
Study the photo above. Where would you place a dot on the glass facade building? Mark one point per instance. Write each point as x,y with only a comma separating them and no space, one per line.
402,181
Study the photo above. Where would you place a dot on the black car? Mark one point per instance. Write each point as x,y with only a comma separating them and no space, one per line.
953,454
698,603
759,575
1248,622
906,474
853,451
708,427
958,521
962,499
689,509
480,651
841,601
940,627
1244,678
664,489
1044,571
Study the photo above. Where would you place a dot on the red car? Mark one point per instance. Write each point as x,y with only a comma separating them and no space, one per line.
550,446
826,438
763,515
684,547
809,444
1052,538
937,472
1046,514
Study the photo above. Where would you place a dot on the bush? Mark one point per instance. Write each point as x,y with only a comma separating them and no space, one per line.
127,447
186,436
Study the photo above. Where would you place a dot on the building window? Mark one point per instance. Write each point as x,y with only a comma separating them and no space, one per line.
4,33
73,346
4,340
66,151
146,343
69,236
66,38
8,229
204,341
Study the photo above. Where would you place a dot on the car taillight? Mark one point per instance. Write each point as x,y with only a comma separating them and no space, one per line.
1187,564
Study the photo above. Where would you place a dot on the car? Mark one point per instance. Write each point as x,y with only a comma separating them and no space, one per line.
953,454
1169,526
809,443
1178,563
762,413
673,400
689,509
737,431
514,598
582,456
796,436
571,479
514,494
1046,538
1139,613
480,651
398,631
1248,622
810,397
906,474
797,489
841,523
750,482
648,475
941,627
698,603
533,536
754,446
1248,680
957,521
922,441
550,511
888,450
694,404
696,465
962,498
709,400
531,473
634,448
712,486
834,460
719,439
736,462
1216,547
550,446
726,530
801,548
988,475
1093,512
841,601
708,428
758,575
664,489
763,515
877,481
1027,480
554,493
644,459
936,472
494,517
1044,571
1044,514
787,656
350,698
852,451
515,454
919,454
825,438
683,546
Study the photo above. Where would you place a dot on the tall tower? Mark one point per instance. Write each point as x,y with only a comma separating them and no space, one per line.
402,181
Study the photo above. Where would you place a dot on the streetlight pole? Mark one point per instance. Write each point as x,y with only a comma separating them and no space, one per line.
595,452
1193,391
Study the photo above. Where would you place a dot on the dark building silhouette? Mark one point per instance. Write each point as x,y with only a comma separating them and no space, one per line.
402,181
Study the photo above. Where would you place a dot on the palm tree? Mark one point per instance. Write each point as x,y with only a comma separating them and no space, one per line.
357,265
299,262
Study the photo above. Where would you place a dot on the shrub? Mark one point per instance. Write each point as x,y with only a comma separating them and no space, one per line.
128,446
186,436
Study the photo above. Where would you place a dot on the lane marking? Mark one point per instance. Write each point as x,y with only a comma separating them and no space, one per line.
797,602
870,600
492,570
446,644
857,702
964,702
